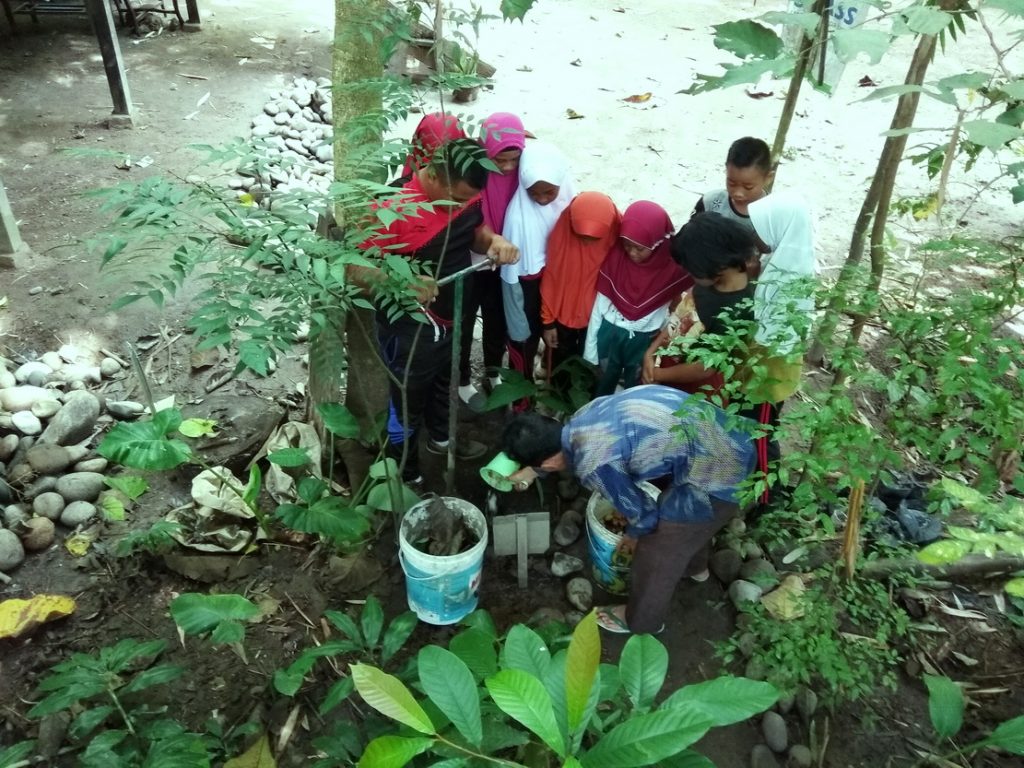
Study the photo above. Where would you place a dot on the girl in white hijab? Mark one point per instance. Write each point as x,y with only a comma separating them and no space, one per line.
545,190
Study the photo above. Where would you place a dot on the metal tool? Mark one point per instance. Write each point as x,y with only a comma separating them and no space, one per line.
463,272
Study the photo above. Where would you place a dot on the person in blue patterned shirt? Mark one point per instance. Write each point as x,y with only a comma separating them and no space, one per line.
659,435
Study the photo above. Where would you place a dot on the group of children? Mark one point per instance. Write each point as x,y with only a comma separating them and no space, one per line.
619,288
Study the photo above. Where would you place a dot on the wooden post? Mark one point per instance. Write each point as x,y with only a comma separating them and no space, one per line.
193,11
103,25
10,240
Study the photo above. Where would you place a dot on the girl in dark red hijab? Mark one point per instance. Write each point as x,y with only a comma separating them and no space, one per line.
434,130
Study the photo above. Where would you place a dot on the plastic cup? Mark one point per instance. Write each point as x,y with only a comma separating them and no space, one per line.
496,473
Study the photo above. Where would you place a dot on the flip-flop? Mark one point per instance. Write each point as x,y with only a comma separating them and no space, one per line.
610,621
701,577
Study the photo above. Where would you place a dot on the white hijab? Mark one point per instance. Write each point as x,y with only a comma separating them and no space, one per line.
784,222
527,225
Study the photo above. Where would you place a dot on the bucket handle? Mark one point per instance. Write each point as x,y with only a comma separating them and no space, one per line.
433,577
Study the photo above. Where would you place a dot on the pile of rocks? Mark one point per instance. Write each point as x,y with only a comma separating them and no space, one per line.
48,471
293,141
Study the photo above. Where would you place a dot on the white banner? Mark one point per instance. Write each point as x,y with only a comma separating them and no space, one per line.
845,14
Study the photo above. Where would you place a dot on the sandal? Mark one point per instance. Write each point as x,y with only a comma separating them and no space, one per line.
609,620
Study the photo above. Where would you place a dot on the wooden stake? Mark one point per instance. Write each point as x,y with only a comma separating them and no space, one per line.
851,535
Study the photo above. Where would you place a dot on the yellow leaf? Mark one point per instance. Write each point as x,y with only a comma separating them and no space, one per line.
78,544
247,200
1015,587
19,616
639,98
785,603
256,756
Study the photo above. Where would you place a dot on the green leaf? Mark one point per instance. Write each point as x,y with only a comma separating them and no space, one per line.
345,623
1015,587
393,751
642,669
515,10
481,619
379,497
476,649
383,469
254,354
87,722
158,675
926,20
524,649
183,750
523,698
1009,736
724,700
747,39
741,74
289,457
509,392
131,486
398,631
943,552
198,428
389,696
112,507
808,22
580,670
991,134
144,444
1009,7
228,632
945,705
687,759
338,692
331,517
647,739
850,43
967,80
252,488
195,613
339,420
450,685
372,620
610,682
259,755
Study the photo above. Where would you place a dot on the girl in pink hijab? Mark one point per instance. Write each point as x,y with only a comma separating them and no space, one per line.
503,138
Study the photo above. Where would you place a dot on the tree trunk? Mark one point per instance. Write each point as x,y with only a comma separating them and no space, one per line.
343,360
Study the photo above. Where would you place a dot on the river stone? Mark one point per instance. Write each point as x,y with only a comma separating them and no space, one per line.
762,757
74,422
48,459
76,513
81,486
799,757
543,616
52,360
49,505
785,703
69,353
77,452
45,409
580,593
99,464
24,372
7,379
125,409
806,704
742,592
563,564
8,445
14,514
271,108
6,494
109,367
37,534
27,423
24,397
85,374
726,564
568,528
776,735
43,484
17,474
252,421
11,550
759,571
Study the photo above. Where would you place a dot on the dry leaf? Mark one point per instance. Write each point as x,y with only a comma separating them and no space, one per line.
256,756
639,98
204,358
576,63
760,94
78,544
572,114
785,603
866,82
20,616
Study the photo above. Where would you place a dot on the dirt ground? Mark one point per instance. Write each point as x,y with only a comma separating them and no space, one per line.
588,56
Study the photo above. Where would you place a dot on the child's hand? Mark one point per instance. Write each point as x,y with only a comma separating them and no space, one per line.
551,338
647,374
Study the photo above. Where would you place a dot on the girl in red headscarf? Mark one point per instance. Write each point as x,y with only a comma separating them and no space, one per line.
434,130
636,285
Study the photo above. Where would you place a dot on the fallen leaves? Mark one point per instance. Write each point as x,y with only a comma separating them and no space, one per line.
18,617
572,114
638,98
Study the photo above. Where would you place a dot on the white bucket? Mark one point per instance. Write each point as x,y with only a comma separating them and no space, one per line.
602,544
442,589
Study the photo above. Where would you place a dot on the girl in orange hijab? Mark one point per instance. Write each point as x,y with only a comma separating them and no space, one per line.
577,246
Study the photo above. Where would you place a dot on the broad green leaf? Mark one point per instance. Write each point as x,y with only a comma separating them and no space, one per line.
991,134
289,457
1015,587
372,620
1009,736
144,444
476,649
611,682
740,74
339,420
642,669
509,392
158,675
259,755
87,722
967,80
524,649
481,619
198,428
330,517
943,552
183,750
1009,7
850,43
345,623
523,698
252,488
808,22
724,700
288,681
515,10
383,469
228,632
581,669
392,751
195,613
888,91
747,39
972,499
112,507
926,20
398,631
379,497
647,739
945,705
131,486
389,696
1014,89
572,762
450,685
687,759
338,692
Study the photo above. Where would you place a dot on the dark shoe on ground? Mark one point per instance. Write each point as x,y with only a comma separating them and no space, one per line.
465,450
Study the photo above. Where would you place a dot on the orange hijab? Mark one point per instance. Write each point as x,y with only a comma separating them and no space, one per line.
569,283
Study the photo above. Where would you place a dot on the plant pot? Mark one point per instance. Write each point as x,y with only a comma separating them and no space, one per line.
465,95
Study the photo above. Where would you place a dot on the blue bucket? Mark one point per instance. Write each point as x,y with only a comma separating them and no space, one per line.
442,590
611,576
